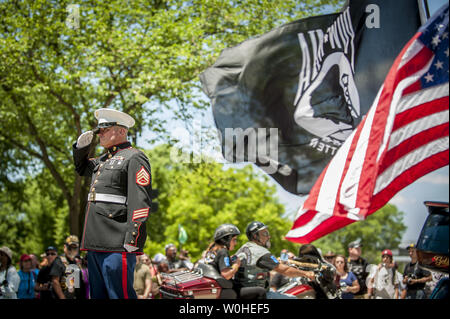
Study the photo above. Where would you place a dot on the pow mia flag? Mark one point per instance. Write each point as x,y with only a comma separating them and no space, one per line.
293,95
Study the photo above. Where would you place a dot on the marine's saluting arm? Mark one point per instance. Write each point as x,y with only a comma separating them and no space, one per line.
83,165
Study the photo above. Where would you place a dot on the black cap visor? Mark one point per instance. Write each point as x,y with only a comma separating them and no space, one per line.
103,125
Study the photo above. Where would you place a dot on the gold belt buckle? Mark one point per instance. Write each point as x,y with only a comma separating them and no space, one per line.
91,197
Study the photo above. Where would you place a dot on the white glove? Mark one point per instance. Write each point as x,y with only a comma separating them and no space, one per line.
85,139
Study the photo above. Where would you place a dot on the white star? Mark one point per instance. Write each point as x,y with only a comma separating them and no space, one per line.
446,52
445,35
429,77
436,40
439,65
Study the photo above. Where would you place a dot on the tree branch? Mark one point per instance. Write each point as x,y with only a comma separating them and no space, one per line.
19,145
59,98
47,161
44,156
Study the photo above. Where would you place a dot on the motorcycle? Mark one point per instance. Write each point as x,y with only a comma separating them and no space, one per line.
323,285
203,282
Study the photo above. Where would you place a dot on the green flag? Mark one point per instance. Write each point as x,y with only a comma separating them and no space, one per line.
182,235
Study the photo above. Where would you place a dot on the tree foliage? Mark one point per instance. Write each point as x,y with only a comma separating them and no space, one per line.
382,230
35,221
59,62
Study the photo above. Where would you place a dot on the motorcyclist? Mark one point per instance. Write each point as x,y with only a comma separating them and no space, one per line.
324,285
258,262
218,256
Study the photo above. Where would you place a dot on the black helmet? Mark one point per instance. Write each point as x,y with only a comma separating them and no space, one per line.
224,233
253,228
309,253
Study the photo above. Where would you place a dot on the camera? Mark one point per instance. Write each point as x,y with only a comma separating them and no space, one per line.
3,283
344,287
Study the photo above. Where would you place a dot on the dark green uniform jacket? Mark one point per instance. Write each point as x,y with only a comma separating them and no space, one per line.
119,198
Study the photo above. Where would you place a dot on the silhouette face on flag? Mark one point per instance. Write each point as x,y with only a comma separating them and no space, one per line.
327,101
293,95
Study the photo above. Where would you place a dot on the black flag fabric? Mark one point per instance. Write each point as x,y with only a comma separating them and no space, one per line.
288,99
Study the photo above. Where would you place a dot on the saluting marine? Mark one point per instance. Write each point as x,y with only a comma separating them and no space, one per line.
118,206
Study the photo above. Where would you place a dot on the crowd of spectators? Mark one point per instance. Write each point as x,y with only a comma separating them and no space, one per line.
65,275
357,279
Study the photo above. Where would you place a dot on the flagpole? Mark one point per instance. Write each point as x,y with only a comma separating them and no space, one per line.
424,11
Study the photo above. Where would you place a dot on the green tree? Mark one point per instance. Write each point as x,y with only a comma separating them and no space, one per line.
206,195
382,230
34,221
59,62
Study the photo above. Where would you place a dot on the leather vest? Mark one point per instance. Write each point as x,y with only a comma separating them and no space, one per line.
249,274
71,278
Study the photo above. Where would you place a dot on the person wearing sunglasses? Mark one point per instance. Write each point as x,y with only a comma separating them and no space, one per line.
119,203
358,266
346,280
67,271
44,281
257,263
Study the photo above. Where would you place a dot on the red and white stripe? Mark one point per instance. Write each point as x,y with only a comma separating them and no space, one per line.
404,136
143,177
140,213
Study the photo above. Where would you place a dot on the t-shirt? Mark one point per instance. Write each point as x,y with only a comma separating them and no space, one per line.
43,278
141,274
267,261
58,269
415,272
359,269
385,281
220,259
347,282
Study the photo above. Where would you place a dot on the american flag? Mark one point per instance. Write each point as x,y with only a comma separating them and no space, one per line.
404,136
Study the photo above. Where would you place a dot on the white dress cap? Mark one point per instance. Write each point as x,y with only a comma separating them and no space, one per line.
104,115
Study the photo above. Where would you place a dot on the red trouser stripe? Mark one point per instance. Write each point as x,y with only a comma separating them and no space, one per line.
124,275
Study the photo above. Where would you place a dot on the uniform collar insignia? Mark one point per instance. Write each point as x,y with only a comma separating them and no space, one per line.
114,149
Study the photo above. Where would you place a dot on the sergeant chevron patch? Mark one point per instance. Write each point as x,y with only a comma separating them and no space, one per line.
140,213
142,177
